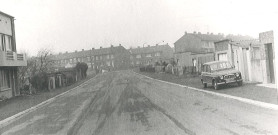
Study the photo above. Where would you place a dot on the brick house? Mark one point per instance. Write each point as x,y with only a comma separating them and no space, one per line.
150,54
10,60
112,58
194,49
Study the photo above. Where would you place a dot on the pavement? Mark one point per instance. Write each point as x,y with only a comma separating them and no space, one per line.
260,92
125,103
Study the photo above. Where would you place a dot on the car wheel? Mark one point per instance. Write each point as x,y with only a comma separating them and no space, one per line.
239,83
215,85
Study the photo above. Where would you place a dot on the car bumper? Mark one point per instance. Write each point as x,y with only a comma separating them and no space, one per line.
229,81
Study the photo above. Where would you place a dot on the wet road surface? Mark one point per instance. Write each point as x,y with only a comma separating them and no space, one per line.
124,103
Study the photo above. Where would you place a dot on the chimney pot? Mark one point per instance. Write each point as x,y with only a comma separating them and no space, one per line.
194,32
149,46
207,33
82,49
185,32
111,45
100,47
120,44
199,32
211,33
93,48
156,45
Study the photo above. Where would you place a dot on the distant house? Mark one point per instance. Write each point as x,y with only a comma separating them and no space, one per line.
194,49
150,54
197,42
112,58
10,60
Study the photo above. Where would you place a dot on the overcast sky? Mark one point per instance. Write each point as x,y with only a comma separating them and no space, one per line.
68,25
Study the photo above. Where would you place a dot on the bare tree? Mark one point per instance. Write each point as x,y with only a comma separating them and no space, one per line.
45,62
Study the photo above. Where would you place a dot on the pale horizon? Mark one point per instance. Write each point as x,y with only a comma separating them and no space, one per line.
69,25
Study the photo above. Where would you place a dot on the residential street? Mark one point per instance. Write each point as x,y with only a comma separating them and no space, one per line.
124,103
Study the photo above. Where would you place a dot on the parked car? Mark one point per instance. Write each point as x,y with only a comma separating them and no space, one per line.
219,73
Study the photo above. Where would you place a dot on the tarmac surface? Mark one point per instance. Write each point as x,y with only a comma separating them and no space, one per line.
125,103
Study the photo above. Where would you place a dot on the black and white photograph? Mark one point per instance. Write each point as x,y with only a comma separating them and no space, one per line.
138,67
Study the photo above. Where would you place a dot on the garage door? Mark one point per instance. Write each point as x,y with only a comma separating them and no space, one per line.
222,57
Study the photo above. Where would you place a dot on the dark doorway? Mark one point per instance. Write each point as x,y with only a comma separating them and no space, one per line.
269,51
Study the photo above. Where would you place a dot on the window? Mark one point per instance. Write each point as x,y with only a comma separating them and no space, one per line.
112,56
148,55
108,63
96,57
4,79
100,57
157,54
70,60
137,62
88,59
107,57
138,56
1,43
222,57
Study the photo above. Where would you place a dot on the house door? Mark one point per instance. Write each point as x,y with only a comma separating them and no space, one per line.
269,51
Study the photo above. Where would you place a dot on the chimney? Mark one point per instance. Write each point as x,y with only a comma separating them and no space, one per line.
66,51
111,46
185,32
194,32
75,51
149,46
156,45
138,46
199,33
219,33
93,48
207,33
120,44
82,49
211,33
100,47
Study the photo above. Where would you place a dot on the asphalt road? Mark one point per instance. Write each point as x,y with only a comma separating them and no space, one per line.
124,103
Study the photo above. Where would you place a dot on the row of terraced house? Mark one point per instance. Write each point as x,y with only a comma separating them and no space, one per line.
114,57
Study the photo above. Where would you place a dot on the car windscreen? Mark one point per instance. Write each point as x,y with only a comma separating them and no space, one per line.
220,66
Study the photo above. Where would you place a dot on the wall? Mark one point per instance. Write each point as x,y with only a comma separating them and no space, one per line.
188,43
267,38
5,25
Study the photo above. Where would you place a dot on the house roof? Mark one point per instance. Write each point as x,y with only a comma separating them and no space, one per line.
209,37
149,49
246,43
6,14
238,37
86,53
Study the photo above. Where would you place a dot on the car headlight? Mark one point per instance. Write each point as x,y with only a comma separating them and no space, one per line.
237,74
